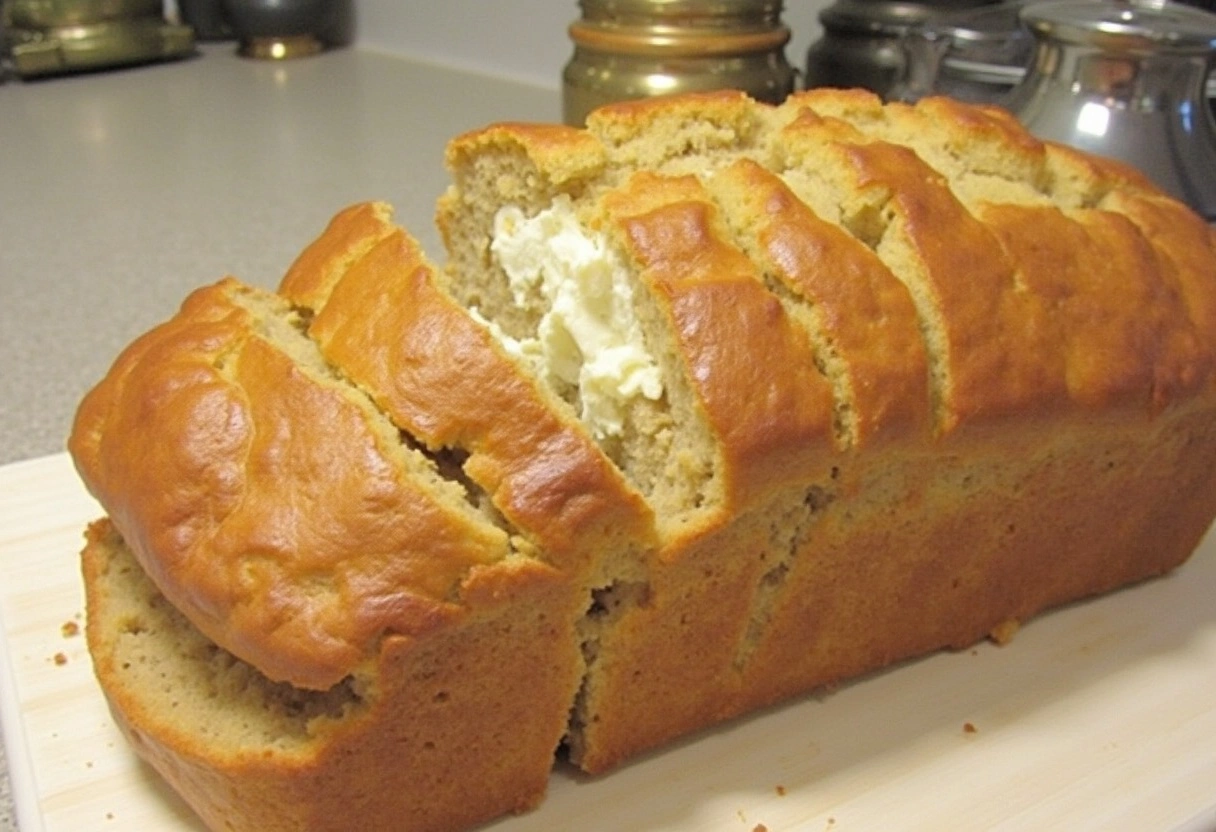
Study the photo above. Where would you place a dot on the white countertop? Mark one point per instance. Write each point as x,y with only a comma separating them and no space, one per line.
121,191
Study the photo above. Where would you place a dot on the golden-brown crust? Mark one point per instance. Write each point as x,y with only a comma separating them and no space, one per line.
1185,247
261,501
970,282
723,118
773,417
1143,345
639,115
350,234
990,139
442,377
865,314
1119,330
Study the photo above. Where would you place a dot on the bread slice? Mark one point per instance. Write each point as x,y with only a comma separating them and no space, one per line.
327,563
419,739
712,404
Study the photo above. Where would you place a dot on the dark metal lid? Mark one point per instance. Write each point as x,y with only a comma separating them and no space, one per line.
888,16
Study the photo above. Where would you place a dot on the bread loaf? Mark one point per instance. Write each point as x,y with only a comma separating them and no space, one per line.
712,404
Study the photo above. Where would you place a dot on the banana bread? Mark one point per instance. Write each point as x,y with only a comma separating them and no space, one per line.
711,404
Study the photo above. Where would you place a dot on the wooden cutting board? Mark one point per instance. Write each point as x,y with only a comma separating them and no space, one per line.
1099,716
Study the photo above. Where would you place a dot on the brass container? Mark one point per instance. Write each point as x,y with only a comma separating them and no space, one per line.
48,14
52,37
628,49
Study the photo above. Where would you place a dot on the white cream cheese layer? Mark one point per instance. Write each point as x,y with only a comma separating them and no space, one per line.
589,337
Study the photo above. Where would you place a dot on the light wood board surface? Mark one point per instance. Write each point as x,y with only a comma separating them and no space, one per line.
1099,716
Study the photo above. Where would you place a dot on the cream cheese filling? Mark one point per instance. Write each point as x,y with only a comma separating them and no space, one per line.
589,337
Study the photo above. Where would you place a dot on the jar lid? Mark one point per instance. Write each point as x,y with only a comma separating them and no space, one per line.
1150,27
986,39
670,42
680,28
680,12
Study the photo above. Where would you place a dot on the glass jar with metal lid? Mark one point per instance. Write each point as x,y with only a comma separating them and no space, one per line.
626,49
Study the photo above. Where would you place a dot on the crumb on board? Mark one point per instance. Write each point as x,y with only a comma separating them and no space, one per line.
70,629
760,827
780,790
969,728
60,659
1004,632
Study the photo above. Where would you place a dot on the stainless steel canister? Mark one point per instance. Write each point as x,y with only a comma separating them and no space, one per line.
628,49
1126,80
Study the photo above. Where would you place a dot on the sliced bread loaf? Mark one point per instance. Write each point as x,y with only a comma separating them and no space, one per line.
712,404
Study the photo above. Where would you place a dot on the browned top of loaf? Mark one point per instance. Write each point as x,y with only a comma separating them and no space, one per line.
350,235
565,154
1046,284
264,504
959,271
1046,278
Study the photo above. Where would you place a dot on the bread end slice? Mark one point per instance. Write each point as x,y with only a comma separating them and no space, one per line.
417,740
